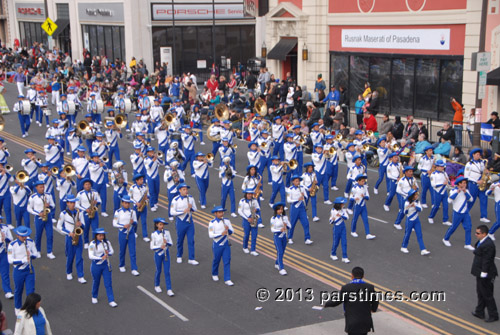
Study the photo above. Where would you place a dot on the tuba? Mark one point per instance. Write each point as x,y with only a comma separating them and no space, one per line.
210,137
260,107
121,121
221,112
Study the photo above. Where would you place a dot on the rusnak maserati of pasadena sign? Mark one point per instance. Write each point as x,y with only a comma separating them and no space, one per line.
30,10
185,11
416,39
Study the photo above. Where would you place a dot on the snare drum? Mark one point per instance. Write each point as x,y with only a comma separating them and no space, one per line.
26,107
100,106
128,105
71,108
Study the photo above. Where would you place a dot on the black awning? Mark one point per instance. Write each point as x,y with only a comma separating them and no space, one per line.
493,77
281,50
61,25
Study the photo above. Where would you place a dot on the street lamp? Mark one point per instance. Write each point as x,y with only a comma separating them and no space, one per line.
305,53
263,50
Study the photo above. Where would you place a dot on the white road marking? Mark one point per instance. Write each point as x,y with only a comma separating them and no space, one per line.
371,217
162,303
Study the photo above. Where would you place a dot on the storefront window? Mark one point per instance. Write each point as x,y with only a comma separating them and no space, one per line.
403,70
380,72
427,87
358,75
31,32
451,83
339,70
106,41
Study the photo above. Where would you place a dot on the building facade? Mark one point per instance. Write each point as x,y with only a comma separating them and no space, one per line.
415,53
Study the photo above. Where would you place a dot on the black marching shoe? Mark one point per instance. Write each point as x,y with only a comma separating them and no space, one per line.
490,319
477,315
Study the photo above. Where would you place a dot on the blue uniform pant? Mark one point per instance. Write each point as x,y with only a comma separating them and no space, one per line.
143,217
300,161
440,199
22,214
189,159
401,209
96,117
278,187
21,278
279,150
215,147
222,252
391,184
289,175
200,133
299,214
323,182
483,199
24,122
247,231
130,242
40,227
101,189
426,186
280,244
5,203
333,173
172,193
98,271
94,223
5,271
62,203
339,236
496,225
185,229
314,206
117,198
202,187
162,260
74,252
382,171
458,219
360,210
113,151
89,145
154,189
348,186
228,191
264,164
409,226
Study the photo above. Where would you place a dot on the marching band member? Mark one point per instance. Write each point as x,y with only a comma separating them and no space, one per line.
41,103
53,152
74,141
161,132
360,195
215,132
227,174
81,165
300,153
69,220
355,170
411,209
20,253
383,159
139,126
320,165
139,139
119,180
226,150
317,137
4,152
152,164
439,182
62,133
254,155
188,139
254,130
173,177
279,227
30,164
38,203
48,179
113,133
32,95
56,89
349,154
360,141
161,241
174,153
332,161
394,169
279,138
201,165
495,189
92,109
227,132
176,123
460,198
403,187
219,230
253,181
89,133
24,117
139,193
196,120
156,114
88,201
120,102
99,251
425,166
249,210
146,118
62,105
99,146
474,171
65,186
290,150
310,183
265,154
296,195
137,159
20,194
182,207
338,216
98,172
73,96
5,239
277,180
5,196
125,219
179,110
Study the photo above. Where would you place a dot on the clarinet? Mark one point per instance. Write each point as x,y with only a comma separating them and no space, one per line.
166,246
29,257
106,251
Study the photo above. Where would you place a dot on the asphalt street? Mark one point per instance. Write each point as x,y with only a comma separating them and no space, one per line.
201,305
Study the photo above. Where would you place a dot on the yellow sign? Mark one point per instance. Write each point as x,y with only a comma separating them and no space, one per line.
49,26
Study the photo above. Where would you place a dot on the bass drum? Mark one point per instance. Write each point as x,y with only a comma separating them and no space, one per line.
26,107
71,108
128,105
100,106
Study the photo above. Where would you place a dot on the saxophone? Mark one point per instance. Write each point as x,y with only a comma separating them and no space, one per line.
77,231
485,180
229,171
258,189
46,211
93,207
254,215
175,177
314,187
143,202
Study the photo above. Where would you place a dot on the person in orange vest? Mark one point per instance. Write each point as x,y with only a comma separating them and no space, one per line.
458,119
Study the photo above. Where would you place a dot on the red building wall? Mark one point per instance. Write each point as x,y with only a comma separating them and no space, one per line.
297,3
366,6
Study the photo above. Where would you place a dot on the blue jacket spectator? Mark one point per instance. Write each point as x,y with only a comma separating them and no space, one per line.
443,148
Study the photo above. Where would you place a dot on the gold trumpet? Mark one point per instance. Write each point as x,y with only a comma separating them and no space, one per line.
22,176
121,120
369,133
168,119
263,145
338,137
159,155
83,126
54,170
234,146
105,159
210,157
221,112
395,147
9,168
291,165
69,170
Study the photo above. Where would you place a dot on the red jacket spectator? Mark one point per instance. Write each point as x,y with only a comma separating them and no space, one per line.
212,85
370,122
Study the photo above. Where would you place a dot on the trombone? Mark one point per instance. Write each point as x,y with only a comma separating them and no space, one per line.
120,121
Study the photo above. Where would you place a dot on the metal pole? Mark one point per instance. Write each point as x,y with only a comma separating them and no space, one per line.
173,46
213,32
476,139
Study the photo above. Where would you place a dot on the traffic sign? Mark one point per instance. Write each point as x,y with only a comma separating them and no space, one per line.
49,26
